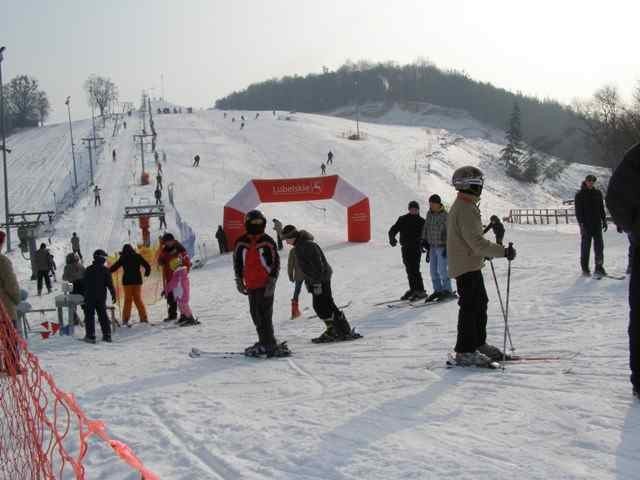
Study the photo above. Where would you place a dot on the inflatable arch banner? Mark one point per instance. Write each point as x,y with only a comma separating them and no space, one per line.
300,190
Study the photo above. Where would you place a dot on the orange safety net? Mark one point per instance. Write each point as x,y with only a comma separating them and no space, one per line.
151,286
44,434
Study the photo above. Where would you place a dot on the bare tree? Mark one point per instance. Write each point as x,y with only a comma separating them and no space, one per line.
101,93
44,107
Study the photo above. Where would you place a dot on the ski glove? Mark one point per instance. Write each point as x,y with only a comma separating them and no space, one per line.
393,242
240,286
427,257
510,252
605,226
317,288
424,245
270,287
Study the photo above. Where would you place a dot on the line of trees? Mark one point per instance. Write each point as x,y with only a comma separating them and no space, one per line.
552,128
25,105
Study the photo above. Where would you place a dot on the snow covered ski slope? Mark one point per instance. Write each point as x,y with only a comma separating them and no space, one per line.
385,406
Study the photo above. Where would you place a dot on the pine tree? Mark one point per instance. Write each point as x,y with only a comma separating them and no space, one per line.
511,154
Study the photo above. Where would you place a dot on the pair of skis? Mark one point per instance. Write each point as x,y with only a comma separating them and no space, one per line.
513,359
197,353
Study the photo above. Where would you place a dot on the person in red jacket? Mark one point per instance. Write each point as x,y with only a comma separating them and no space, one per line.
257,264
170,250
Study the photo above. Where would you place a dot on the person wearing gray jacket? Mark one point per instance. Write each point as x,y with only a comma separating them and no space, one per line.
297,277
434,243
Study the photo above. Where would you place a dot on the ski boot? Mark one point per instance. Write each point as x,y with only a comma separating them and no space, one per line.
417,295
494,353
295,309
329,335
407,295
434,297
600,271
472,359
188,322
278,350
256,350
91,340
107,338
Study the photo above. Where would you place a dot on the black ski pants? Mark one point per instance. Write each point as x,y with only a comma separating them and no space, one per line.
589,235
261,308
411,258
97,201
634,319
172,306
91,308
323,304
472,316
43,275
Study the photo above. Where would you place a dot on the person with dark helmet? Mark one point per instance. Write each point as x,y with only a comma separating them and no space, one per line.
311,262
467,249
97,280
410,228
623,202
256,265
498,228
592,219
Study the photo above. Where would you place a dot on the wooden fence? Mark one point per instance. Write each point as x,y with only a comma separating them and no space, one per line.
542,216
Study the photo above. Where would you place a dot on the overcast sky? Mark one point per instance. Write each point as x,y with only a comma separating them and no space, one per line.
208,48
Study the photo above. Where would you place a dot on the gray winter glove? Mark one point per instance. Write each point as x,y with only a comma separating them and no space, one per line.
510,252
317,288
393,242
270,287
427,257
240,286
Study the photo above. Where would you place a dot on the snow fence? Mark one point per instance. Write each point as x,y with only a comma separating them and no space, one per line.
44,433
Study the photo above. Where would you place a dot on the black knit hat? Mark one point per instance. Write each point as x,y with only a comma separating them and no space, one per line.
289,231
167,237
435,199
413,204
590,178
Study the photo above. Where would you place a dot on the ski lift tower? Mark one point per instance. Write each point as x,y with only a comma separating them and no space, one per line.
30,228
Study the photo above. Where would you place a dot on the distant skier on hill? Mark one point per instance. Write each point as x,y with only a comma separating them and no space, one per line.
124,124
323,169
466,251
196,161
159,180
330,158
158,196
592,219
222,240
113,154
277,226
410,228
311,262
257,115
96,196
498,228
75,244
256,265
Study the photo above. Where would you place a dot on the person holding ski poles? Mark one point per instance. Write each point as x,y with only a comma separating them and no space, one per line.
297,278
467,249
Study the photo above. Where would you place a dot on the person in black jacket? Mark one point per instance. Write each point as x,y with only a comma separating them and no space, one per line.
131,262
97,280
623,202
410,228
256,265
315,268
593,221
498,228
42,265
222,240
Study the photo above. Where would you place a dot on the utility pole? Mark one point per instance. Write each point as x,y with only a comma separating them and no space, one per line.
91,143
4,155
162,85
140,139
73,154
357,110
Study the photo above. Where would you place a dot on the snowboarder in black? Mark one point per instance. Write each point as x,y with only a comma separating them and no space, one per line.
96,196
97,280
158,195
593,221
330,158
323,169
498,228
410,228
623,202
222,240
257,265
75,244
311,262
196,161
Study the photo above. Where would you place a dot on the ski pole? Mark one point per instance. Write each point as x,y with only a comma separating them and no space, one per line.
506,314
506,326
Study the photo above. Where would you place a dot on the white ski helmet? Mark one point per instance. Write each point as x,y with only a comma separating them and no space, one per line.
468,179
